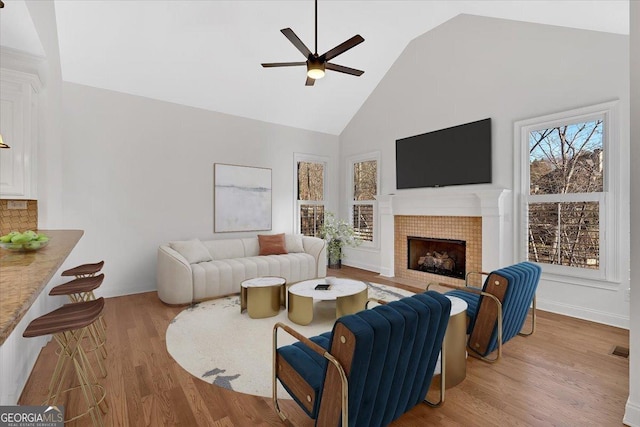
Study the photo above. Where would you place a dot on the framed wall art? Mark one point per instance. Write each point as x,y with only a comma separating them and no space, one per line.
241,198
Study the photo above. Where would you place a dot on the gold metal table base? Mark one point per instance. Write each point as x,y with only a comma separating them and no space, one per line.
301,307
262,301
455,343
352,303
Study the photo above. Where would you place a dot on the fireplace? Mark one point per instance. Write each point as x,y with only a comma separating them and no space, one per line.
476,216
445,230
444,257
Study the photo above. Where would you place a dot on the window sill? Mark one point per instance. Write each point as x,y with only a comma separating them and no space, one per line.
610,285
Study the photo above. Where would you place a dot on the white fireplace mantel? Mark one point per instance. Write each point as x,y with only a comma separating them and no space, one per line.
490,204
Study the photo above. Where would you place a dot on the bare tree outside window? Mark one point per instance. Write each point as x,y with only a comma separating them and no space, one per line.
365,188
365,180
310,181
311,197
566,180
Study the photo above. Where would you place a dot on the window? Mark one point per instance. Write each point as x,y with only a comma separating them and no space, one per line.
310,185
567,189
362,203
565,164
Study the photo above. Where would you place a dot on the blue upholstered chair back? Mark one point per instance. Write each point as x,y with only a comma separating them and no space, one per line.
522,281
397,347
388,353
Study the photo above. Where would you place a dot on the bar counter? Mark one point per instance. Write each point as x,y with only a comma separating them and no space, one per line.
23,275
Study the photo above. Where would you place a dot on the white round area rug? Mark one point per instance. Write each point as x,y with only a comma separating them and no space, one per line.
213,341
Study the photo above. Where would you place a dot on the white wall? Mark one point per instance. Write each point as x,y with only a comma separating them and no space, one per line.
470,68
632,413
49,142
139,172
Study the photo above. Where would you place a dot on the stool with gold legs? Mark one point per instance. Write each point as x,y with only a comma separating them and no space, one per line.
87,270
69,325
80,290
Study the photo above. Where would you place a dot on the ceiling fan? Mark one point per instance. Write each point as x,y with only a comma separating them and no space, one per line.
317,64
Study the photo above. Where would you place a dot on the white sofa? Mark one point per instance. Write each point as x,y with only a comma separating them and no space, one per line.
217,267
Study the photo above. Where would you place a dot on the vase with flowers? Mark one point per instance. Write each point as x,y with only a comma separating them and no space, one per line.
337,233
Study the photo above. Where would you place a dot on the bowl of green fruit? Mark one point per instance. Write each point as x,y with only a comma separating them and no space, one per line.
27,241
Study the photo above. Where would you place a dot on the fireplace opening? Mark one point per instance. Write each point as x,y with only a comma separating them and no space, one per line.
437,256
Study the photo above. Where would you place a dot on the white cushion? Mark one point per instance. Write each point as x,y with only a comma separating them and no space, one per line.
225,248
251,246
293,242
193,250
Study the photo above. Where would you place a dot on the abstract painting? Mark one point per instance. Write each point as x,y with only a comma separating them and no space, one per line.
242,198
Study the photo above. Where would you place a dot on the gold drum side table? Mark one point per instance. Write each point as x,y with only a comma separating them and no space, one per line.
455,343
263,296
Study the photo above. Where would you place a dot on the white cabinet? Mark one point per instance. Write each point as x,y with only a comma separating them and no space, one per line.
19,128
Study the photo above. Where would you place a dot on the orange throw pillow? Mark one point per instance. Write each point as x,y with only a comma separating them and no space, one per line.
272,244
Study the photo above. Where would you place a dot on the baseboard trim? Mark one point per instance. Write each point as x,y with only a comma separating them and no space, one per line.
632,414
112,293
584,313
387,272
362,265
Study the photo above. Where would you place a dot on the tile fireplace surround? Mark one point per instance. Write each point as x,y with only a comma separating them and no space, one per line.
477,217
465,228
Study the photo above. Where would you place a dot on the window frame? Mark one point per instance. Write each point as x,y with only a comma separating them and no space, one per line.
351,161
608,273
307,158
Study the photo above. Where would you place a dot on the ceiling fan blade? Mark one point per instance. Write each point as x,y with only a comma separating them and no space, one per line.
343,47
310,81
343,69
288,33
282,64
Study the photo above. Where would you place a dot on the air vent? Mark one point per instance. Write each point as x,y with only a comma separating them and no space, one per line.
620,351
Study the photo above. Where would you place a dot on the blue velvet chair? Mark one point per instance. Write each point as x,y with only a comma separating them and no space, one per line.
497,311
373,366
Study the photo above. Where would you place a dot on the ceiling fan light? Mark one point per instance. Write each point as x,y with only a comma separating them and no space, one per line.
315,70
315,73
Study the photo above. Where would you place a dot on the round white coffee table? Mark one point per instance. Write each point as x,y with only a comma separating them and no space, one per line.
262,297
350,297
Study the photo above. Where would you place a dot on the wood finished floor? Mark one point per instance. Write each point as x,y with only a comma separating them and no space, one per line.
562,375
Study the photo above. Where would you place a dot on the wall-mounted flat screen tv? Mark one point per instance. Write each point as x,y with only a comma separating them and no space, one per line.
453,156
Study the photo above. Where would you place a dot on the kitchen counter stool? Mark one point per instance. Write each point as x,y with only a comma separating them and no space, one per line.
84,270
69,325
81,290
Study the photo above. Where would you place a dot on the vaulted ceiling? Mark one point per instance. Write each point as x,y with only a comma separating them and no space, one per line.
207,54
